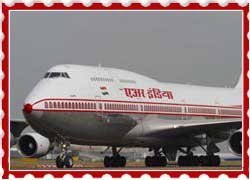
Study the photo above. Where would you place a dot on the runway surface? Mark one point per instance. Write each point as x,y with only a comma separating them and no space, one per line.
38,164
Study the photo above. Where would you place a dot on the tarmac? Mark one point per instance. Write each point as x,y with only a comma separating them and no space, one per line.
40,164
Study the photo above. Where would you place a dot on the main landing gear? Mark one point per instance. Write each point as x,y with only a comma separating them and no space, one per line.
157,160
190,160
116,160
64,159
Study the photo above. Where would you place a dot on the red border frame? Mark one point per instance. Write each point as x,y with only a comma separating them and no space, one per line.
117,6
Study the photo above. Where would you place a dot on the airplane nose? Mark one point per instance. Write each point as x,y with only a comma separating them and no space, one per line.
30,114
27,108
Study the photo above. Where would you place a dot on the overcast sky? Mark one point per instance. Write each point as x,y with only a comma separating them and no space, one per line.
183,47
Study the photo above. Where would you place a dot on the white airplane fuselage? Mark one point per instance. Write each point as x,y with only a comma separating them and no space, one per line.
106,106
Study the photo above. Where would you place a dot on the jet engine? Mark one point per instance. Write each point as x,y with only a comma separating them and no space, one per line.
234,142
33,145
12,140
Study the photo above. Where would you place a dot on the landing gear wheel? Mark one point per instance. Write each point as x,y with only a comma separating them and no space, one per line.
180,161
195,161
155,161
114,161
68,161
216,161
210,160
59,162
122,161
188,161
148,161
163,161
107,161
65,158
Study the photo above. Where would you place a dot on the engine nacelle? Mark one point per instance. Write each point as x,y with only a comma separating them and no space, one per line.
33,145
12,140
235,144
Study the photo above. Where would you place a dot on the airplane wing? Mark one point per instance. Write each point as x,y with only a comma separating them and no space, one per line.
17,126
190,127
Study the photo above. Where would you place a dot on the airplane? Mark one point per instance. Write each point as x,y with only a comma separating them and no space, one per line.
101,106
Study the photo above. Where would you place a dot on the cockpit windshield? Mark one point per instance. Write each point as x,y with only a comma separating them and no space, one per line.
56,75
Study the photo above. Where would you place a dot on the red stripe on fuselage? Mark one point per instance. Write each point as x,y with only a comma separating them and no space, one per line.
139,102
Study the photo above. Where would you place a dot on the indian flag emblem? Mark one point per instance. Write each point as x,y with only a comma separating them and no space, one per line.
104,90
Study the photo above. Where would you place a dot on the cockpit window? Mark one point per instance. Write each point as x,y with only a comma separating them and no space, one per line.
56,75
66,74
63,75
46,75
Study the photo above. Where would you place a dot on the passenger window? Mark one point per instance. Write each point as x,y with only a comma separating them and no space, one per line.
58,105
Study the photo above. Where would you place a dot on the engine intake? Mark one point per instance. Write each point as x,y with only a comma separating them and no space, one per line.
33,145
12,140
235,143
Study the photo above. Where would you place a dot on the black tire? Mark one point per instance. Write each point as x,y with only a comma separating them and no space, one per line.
59,162
183,160
107,161
154,161
122,161
163,161
190,160
201,160
180,161
68,161
217,160
206,161
196,161
214,161
148,161
114,162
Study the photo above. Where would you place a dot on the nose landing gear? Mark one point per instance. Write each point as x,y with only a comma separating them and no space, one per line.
65,157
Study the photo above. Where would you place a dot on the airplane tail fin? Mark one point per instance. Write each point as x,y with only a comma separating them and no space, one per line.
239,83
